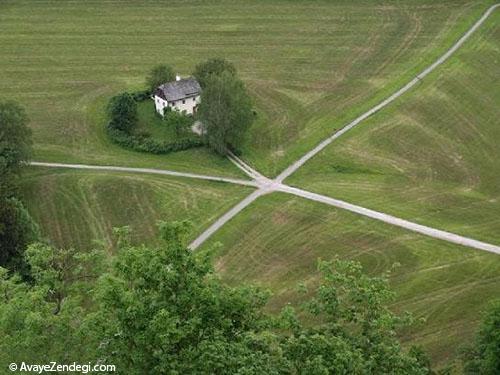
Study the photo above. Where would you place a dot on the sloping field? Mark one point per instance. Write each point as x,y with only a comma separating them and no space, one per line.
74,208
310,65
433,155
276,243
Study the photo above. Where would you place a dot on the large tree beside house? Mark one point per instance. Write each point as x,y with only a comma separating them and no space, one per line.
225,111
214,66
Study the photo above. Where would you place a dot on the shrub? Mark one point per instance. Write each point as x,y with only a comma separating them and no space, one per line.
146,144
180,122
122,110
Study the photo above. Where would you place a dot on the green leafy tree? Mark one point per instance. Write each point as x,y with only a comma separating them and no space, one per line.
122,110
163,310
211,67
17,231
17,228
483,356
15,144
159,75
357,333
226,112
178,121
44,320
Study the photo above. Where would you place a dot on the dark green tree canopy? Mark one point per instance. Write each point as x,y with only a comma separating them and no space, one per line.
122,110
15,138
214,66
17,229
178,121
158,75
483,356
47,318
225,111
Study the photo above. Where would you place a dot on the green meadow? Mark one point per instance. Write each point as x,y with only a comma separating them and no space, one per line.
432,156
277,241
77,208
309,65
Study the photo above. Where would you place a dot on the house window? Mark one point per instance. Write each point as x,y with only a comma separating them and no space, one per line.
194,99
184,102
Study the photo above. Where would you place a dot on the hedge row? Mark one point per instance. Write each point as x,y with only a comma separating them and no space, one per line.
143,143
146,144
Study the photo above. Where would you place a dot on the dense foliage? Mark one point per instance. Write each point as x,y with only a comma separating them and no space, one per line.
211,67
150,145
483,356
46,319
122,111
225,111
159,75
180,122
163,310
17,231
15,142
17,228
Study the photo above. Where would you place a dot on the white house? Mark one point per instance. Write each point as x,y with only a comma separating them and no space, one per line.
181,95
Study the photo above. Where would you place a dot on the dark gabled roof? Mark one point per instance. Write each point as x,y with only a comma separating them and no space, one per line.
175,90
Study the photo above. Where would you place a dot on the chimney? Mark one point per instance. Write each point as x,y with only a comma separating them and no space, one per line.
177,78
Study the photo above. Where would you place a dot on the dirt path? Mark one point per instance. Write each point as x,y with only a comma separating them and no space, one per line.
389,219
146,170
299,163
225,218
265,185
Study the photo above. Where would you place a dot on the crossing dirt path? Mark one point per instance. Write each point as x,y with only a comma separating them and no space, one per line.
299,163
265,185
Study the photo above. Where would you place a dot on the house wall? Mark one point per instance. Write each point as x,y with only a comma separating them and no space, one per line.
188,106
159,104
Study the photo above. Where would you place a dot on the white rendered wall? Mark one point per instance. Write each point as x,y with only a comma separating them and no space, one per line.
188,105
160,104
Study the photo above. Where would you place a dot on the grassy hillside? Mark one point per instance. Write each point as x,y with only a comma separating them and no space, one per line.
75,208
432,156
277,241
310,65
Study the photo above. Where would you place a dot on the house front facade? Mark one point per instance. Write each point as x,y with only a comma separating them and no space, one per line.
181,95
